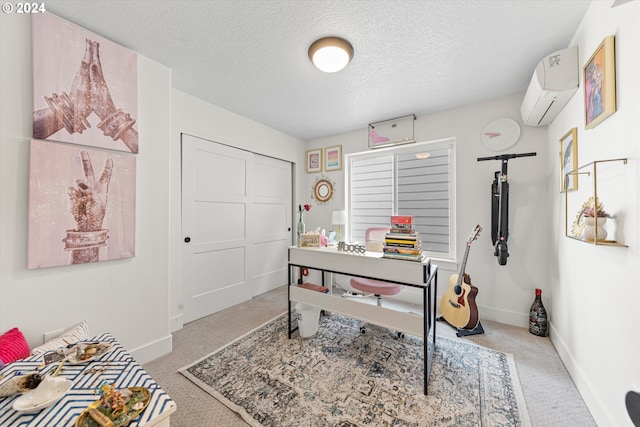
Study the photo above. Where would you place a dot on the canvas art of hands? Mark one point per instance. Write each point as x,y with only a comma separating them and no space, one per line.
89,94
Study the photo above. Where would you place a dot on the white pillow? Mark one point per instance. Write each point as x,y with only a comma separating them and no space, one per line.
80,332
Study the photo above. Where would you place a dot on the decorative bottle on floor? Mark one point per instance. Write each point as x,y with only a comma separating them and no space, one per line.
538,324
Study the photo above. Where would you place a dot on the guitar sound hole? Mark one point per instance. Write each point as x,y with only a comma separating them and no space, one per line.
457,289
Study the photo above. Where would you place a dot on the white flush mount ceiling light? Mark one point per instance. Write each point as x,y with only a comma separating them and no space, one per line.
330,54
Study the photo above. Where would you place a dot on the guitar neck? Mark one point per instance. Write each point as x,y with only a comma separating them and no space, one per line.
474,235
464,263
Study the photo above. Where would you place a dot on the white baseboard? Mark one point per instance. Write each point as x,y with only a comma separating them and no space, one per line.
153,350
589,394
513,318
176,323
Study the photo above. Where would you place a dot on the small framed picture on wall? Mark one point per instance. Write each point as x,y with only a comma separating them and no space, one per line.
333,158
314,161
600,84
569,161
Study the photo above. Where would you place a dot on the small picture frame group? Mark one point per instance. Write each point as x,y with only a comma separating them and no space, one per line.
599,83
330,158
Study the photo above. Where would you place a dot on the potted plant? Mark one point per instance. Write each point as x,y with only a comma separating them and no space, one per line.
595,209
594,219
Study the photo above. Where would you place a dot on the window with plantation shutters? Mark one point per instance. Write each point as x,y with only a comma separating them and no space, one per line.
414,180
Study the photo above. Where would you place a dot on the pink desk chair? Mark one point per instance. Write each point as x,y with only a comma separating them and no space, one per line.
374,240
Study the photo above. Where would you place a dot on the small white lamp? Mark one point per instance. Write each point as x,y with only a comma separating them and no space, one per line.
339,218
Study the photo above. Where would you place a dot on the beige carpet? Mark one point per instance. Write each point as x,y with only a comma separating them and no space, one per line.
552,399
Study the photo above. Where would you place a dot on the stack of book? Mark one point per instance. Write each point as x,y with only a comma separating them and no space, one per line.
403,241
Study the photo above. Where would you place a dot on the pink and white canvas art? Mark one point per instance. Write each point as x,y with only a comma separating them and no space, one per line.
85,87
81,205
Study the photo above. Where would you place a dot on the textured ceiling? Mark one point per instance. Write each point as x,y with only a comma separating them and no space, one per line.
411,56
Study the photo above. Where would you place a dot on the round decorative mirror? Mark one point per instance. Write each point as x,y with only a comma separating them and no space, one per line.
323,190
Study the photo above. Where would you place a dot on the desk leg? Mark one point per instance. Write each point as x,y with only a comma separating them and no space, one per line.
429,294
434,294
425,335
289,301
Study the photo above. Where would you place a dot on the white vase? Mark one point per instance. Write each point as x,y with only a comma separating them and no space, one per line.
301,227
589,231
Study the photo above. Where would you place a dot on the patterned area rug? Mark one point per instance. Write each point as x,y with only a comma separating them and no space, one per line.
340,377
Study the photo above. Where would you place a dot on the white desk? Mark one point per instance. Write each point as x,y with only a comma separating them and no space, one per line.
372,266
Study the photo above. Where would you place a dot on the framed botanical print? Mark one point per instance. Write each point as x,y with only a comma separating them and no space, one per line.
569,161
600,84
314,161
333,158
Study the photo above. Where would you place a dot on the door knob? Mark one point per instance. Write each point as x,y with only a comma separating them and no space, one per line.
187,239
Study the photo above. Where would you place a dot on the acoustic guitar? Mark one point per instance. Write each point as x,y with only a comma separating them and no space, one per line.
458,304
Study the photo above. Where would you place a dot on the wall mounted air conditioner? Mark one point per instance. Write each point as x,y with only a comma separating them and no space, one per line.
554,82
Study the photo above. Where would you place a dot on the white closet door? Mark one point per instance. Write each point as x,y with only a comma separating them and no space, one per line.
232,209
269,223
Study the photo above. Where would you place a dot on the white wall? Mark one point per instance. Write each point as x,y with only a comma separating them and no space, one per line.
138,299
505,292
595,289
195,117
128,297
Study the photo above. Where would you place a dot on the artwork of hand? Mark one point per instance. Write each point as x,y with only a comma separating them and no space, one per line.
89,93
89,197
80,92
102,102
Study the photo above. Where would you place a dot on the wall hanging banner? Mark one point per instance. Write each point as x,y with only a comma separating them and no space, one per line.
392,132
